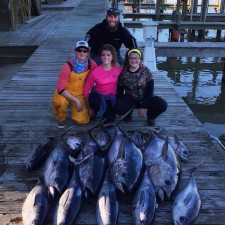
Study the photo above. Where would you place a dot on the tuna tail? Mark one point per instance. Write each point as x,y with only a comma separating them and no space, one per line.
123,116
192,170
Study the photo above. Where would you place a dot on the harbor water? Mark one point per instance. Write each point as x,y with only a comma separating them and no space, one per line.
197,80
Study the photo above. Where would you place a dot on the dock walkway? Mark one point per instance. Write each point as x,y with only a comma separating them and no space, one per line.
26,120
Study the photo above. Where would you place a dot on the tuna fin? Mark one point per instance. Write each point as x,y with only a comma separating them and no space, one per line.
67,196
120,152
77,162
176,140
192,170
165,149
188,198
37,199
95,125
142,199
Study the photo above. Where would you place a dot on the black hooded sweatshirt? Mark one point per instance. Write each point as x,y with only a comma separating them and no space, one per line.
100,34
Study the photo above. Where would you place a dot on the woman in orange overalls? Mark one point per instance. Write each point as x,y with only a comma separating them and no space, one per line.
69,91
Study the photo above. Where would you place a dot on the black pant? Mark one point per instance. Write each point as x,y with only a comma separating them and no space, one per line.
95,103
155,105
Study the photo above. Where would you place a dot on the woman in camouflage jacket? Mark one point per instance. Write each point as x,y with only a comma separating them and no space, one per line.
136,89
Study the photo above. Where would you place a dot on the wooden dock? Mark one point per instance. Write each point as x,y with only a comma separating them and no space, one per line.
26,120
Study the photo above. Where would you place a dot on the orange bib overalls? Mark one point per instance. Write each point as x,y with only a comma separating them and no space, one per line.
75,87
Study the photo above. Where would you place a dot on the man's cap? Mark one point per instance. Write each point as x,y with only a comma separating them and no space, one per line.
81,44
114,11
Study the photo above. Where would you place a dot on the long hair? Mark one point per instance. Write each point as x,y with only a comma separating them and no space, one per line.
126,60
110,48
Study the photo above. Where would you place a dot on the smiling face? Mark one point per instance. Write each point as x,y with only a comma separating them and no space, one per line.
81,54
112,21
106,57
134,60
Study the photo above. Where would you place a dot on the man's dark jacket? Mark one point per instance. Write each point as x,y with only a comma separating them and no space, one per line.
100,34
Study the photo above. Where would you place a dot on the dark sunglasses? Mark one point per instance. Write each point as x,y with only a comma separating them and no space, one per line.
82,50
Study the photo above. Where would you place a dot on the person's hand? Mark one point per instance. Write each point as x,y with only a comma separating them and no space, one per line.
79,105
141,113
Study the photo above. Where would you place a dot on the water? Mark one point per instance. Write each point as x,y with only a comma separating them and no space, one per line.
197,81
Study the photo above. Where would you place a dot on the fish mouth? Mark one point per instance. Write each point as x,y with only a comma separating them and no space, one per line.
161,193
53,191
119,185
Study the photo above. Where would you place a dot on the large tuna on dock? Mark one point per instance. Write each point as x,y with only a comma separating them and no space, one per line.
144,202
127,161
35,206
164,167
40,153
187,203
69,203
56,172
107,208
91,170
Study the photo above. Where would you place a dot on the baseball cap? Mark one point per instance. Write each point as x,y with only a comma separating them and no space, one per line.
114,11
81,44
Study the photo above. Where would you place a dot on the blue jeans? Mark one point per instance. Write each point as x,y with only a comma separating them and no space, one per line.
96,58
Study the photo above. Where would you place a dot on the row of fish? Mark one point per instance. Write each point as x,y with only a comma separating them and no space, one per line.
146,164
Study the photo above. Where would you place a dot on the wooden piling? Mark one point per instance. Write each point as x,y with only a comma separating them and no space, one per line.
178,6
223,76
157,9
184,10
222,7
218,35
204,8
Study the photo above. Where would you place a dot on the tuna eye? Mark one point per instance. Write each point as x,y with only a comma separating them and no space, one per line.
167,182
182,219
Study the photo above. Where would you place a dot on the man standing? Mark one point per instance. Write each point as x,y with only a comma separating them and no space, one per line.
109,31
